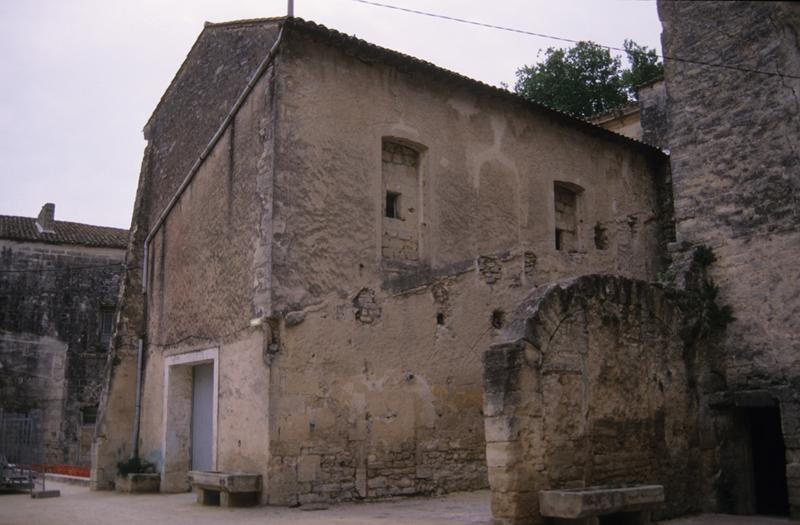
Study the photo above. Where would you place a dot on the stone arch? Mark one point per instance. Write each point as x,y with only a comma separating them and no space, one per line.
597,385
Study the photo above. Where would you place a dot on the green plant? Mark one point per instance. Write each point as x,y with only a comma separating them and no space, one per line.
667,277
716,316
704,256
135,465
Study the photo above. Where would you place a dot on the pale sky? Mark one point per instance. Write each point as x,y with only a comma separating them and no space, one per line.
79,78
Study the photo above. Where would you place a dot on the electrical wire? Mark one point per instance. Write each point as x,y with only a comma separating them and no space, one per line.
570,40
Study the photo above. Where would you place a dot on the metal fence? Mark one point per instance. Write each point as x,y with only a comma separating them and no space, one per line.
21,451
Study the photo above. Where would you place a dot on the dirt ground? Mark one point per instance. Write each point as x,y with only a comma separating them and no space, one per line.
79,506
724,519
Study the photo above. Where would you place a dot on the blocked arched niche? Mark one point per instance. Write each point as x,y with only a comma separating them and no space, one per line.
597,385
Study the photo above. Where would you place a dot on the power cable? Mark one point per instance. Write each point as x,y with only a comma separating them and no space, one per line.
570,40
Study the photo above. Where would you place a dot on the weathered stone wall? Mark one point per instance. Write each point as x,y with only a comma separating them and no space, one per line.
51,350
202,93
364,380
207,267
599,384
376,387
733,137
653,113
112,441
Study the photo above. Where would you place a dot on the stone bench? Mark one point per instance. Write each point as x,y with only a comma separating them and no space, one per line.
226,489
629,505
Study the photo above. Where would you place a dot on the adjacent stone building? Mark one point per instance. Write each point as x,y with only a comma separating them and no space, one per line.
327,235
58,292
734,141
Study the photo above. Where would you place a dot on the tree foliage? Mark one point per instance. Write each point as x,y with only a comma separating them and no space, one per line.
645,66
587,79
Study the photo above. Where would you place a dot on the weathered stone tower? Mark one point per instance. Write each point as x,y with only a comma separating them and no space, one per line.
735,153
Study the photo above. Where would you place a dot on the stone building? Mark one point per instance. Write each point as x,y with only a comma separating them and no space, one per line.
625,120
58,291
644,120
734,138
327,236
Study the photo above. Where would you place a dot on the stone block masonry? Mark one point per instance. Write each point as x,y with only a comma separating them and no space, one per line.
597,386
733,141
355,259
400,167
56,307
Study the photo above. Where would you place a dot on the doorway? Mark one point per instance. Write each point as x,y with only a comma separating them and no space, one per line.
768,454
191,386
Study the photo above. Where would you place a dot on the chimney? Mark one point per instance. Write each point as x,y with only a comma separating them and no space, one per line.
45,222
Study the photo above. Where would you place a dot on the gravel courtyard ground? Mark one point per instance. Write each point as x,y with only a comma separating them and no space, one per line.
79,506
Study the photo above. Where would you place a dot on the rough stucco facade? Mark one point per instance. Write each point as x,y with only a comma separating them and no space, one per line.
58,284
733,140
343,264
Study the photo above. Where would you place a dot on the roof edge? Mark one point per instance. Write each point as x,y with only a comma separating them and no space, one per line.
56,237
206,26
377,53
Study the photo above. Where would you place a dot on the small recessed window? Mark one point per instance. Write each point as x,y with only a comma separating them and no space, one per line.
440,318
567,216
106,324
89,415
392,205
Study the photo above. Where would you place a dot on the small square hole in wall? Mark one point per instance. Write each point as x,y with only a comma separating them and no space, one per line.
392,205
89,415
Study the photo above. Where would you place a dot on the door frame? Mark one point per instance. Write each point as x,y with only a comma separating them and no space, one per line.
177,419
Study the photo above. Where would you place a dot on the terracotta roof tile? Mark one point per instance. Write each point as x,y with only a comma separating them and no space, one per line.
24,229
369,52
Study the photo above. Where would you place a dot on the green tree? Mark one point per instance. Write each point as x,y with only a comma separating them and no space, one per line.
645,66
587,79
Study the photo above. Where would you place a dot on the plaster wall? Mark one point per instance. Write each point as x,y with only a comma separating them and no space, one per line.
241,438
371,396
204,89
207,267
626,123
364,379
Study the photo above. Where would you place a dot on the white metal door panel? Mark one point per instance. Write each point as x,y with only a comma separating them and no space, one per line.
202,414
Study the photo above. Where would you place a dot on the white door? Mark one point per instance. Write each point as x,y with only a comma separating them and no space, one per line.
202,414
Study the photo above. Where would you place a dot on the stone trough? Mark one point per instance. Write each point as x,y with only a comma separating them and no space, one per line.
226,489
629,505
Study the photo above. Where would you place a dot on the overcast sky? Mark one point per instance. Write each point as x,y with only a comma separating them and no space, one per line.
79,78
